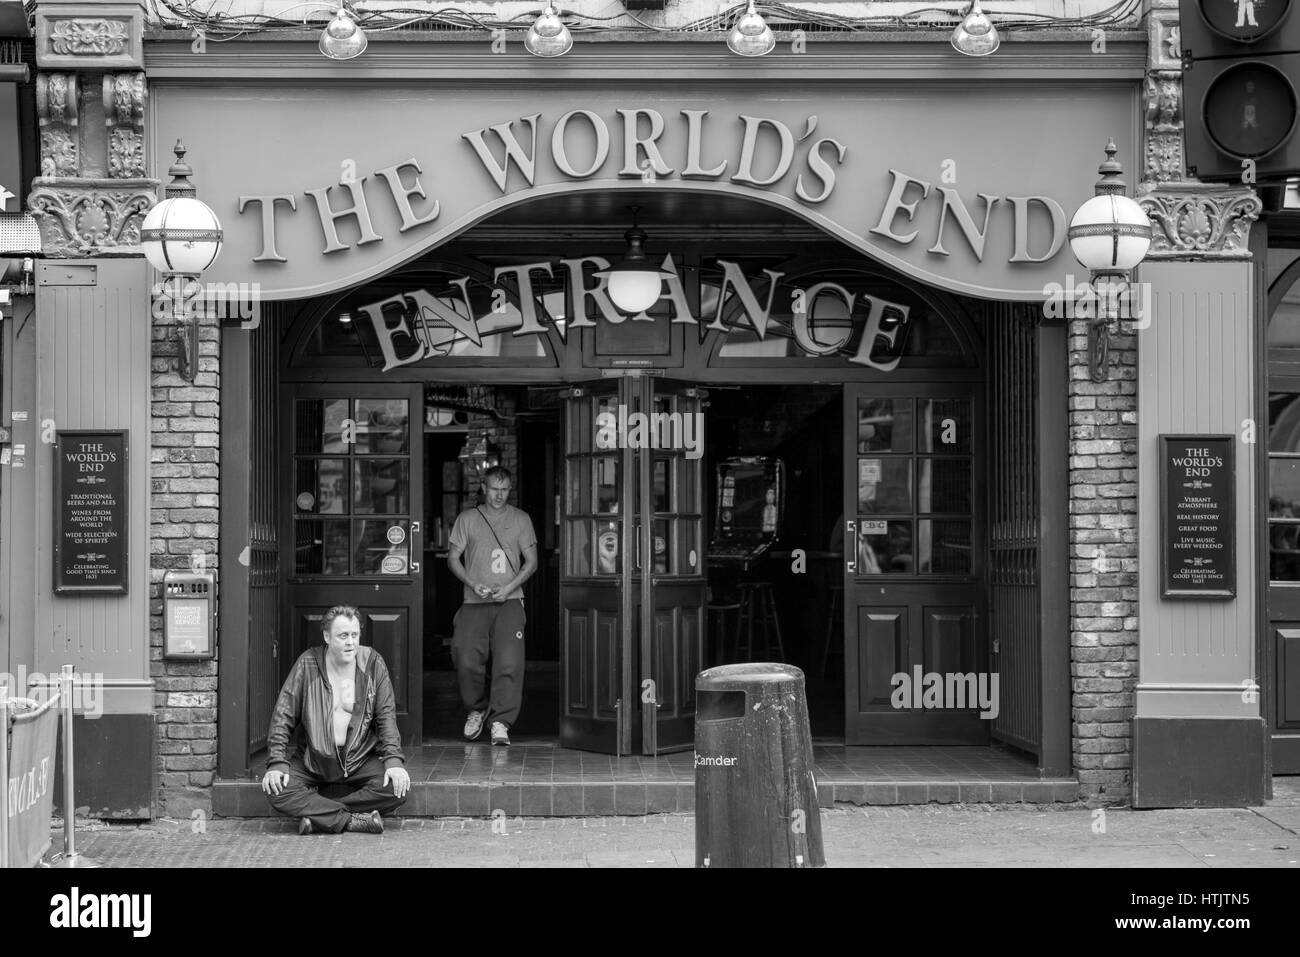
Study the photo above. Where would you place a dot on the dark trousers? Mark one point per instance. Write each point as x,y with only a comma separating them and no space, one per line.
496,627
365,792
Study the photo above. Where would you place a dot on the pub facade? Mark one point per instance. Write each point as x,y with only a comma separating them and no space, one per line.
855,429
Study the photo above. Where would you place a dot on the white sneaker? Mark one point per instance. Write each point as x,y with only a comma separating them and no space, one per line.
499,735
474,724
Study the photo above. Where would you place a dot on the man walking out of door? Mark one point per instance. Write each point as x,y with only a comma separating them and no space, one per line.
500,554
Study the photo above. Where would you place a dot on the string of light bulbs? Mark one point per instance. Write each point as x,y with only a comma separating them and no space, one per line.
184,15
750,27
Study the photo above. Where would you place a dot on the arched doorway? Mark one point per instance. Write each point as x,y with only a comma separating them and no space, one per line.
892,452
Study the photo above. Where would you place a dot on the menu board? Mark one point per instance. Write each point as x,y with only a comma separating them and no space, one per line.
1197,499
90,499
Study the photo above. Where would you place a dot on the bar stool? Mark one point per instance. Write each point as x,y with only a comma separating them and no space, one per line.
832,618
720,609
758,594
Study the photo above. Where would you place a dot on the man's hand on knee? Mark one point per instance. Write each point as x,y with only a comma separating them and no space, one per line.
401,781
275,781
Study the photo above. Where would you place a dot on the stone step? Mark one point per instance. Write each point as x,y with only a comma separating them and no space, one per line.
585,799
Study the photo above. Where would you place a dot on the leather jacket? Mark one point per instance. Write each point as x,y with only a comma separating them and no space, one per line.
303,710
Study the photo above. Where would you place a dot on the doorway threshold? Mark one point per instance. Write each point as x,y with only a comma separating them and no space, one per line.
540,779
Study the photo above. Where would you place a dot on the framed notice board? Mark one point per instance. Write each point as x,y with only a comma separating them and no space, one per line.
91,534
1197,516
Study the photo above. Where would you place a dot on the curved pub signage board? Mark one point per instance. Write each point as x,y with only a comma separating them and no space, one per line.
969,189
1197,517
90,500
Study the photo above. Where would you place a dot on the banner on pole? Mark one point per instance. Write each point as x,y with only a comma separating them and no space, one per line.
30,788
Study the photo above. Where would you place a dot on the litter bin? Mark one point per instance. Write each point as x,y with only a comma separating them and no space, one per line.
755,796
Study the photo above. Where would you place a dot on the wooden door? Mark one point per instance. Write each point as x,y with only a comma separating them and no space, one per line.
351,528
670,570
913,563
598,605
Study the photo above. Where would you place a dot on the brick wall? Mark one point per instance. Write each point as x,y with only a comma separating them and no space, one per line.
1103,567
184,459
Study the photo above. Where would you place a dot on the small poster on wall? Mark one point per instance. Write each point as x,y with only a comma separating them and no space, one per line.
1197,517
90,513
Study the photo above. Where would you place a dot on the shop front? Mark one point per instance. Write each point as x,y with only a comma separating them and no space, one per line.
798,452
845,434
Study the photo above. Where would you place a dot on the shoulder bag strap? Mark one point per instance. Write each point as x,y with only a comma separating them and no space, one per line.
494,535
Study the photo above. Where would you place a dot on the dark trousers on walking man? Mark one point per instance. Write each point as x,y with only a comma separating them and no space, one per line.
494,629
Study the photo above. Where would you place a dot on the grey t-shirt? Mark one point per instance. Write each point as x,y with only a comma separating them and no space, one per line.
486,561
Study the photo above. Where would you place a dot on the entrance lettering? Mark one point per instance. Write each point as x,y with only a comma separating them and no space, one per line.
424,323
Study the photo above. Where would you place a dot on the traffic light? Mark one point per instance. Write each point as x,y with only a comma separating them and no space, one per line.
1241,66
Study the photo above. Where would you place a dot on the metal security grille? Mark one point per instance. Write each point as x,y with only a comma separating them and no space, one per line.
264,641
1014,524
19,234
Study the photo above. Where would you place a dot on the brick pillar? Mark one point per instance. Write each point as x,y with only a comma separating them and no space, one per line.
1103,566
183,537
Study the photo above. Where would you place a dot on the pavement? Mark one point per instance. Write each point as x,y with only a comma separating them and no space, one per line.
932,835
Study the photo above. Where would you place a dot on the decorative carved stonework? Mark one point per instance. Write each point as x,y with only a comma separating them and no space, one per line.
56,107
95,35
1164,127
124,100
89,37
1198,221
1164,47
91,217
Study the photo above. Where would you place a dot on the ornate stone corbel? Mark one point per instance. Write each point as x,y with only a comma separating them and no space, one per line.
124,101
1189,220
1199,221
56,108
91,217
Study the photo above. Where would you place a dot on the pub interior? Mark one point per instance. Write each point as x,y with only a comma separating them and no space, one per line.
773,467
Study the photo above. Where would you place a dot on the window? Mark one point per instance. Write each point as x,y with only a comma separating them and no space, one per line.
914,486
352,487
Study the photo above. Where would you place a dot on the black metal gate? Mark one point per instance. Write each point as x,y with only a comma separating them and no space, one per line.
1015,596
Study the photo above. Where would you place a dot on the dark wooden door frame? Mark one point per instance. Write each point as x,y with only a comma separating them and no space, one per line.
234,592
1055,757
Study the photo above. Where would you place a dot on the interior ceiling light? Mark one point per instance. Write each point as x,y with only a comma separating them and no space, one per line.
548,36
342,38
975,35
751,36
635,282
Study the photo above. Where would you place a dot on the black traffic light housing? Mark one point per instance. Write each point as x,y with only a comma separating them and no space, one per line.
1241,67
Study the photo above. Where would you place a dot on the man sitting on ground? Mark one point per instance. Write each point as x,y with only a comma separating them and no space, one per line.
337,706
